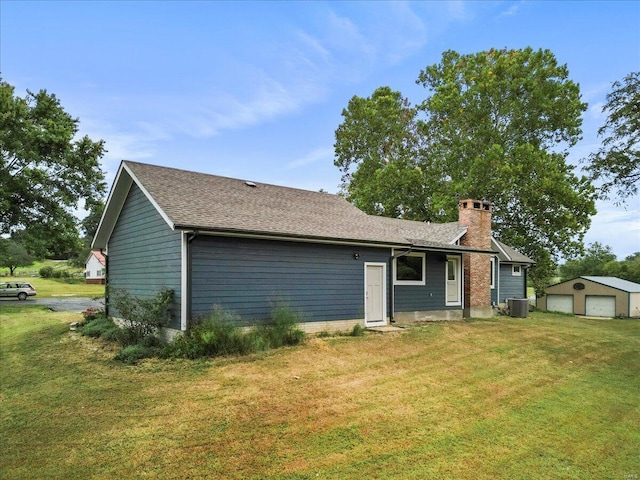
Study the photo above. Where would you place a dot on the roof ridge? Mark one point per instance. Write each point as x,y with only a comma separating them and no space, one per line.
224,177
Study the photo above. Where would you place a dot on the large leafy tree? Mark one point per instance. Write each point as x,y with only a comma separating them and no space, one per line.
46,171
629,268
593,262
377,150
13,255
498,125
617,163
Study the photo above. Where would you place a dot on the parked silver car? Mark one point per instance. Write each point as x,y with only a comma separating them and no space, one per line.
21,290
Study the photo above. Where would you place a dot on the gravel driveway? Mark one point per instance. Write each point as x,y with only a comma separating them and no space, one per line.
69,304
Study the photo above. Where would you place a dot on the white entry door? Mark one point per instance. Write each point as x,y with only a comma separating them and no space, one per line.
453,281
375,294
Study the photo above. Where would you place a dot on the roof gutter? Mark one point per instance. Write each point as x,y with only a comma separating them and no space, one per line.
444,248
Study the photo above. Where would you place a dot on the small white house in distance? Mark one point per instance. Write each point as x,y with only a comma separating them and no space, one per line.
95,267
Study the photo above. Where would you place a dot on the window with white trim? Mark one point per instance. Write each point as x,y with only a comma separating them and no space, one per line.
516,270
410,269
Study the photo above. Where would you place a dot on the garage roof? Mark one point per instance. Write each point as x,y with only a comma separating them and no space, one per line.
615,282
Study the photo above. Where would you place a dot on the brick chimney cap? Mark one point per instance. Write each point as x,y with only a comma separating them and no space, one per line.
475,204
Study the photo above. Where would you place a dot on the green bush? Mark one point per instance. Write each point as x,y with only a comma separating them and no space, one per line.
357,331
46,272
219,335
213,336
142,317
132,354
112,335
100,327
283,329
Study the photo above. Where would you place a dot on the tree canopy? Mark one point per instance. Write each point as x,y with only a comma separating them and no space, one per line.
617,163
13,255
379,138
46,172
600,260
498,125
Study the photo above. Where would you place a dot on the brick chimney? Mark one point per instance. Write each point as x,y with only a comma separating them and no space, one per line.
476,216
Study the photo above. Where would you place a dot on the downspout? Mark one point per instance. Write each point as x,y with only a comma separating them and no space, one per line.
106,282
188,293
526,280
497,280
392,283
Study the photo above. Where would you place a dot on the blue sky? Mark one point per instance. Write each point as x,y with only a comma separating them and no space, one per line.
254,90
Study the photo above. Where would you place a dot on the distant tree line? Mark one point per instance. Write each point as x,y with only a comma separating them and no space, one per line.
599,260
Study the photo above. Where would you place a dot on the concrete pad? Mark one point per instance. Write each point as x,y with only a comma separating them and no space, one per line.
385,329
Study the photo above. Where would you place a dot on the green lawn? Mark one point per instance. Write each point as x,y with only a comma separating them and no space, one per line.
49,287
546,397
75,286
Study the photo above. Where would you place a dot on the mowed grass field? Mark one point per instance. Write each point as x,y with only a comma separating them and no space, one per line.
49,287
546,397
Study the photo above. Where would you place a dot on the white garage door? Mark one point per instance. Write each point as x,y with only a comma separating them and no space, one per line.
560,303
600,306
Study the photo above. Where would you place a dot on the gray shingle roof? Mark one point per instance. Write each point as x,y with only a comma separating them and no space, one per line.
209,202
509,254
424,234
197,201
615,282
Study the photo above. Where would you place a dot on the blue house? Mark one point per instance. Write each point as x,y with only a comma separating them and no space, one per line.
247,246
508,273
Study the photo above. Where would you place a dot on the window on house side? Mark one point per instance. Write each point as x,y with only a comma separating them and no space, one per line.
410,269
516,270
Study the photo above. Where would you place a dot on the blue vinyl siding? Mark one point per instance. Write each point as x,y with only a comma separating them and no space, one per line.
511,286
144,253
248,277
432,296
494,294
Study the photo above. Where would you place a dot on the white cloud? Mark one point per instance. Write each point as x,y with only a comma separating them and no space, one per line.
457,10
313,55
206,115
344,36
618,227
301,68
323,154
595,93
401,32
509,12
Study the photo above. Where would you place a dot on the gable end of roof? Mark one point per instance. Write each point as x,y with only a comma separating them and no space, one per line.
125,178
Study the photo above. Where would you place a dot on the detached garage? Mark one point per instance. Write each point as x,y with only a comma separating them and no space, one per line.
593,297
